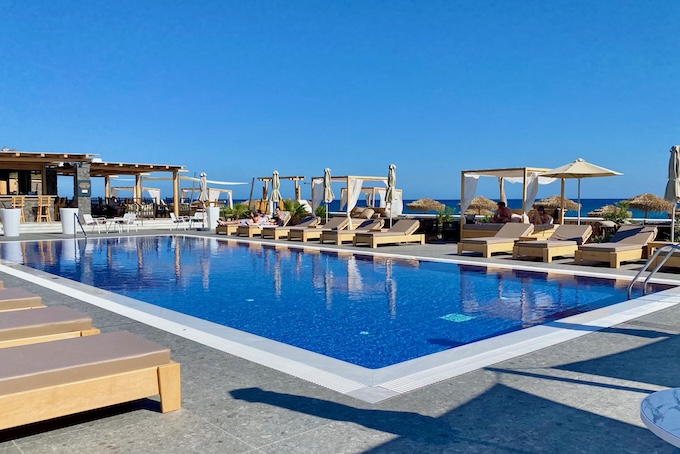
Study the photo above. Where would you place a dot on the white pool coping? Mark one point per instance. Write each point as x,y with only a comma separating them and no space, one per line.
370,385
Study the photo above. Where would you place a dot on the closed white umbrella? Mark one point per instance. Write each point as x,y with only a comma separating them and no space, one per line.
391,186
328,195
276,184
203,196
579,169
672,193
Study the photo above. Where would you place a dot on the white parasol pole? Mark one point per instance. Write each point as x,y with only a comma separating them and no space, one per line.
578,222
673,223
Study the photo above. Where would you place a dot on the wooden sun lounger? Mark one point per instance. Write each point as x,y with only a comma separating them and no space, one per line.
248,230
347,236
229,229
565,240
403,231
52,379
48,324
233,229
673,261
305,234
503,241
277,233
628,243
12,299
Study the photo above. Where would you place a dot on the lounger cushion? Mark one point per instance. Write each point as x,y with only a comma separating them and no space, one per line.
514,230
404,226
542,244
577,233
43,322
337,223
610,247
368,224
507,234
367,213
634,234
65,361
18,298
627,238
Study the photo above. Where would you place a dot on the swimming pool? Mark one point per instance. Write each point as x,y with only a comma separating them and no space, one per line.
370,311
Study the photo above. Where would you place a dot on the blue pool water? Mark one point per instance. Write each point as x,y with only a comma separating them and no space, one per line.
369,311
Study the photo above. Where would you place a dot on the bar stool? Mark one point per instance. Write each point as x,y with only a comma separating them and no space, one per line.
43,209
59,202
18,202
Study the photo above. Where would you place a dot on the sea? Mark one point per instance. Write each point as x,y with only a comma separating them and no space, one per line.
587,205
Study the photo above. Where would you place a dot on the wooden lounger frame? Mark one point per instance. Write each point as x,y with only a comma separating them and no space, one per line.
60,400
22,308
339,236
48,337
545,253
229,229
672,262
614,258
376,240
248,230
309,233
275,232
486,249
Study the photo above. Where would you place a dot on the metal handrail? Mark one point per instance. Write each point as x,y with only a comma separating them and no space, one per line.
77,220
669,248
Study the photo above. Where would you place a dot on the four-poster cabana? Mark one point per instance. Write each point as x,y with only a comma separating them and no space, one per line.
530,177
213,193
264,205
112,170
353,190
266,180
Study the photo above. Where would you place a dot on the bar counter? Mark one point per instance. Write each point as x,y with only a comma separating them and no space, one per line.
30,205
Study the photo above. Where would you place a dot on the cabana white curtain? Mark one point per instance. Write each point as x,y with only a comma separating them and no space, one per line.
533,180
470,185
317,185
213,195
397,205
155,194
355,186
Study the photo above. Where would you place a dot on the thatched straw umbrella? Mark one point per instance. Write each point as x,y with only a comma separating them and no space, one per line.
481,212
599,212
650,202
480,203
426,205
555,202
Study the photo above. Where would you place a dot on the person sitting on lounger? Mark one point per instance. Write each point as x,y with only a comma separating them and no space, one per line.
502,215
256,218
540,217
276,219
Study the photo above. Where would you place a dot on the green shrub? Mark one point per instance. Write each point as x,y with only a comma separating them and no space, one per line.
619,214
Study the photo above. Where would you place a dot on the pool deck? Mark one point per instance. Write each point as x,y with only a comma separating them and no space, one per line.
579,396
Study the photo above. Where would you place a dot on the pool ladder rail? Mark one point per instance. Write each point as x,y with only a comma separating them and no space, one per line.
668,249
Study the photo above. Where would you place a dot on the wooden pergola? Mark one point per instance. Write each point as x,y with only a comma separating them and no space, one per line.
107,170
267,180
43,162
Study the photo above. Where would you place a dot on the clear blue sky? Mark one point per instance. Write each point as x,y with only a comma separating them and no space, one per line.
240,88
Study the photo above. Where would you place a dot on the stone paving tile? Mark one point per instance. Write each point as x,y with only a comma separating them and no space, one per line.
139,431
333,438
